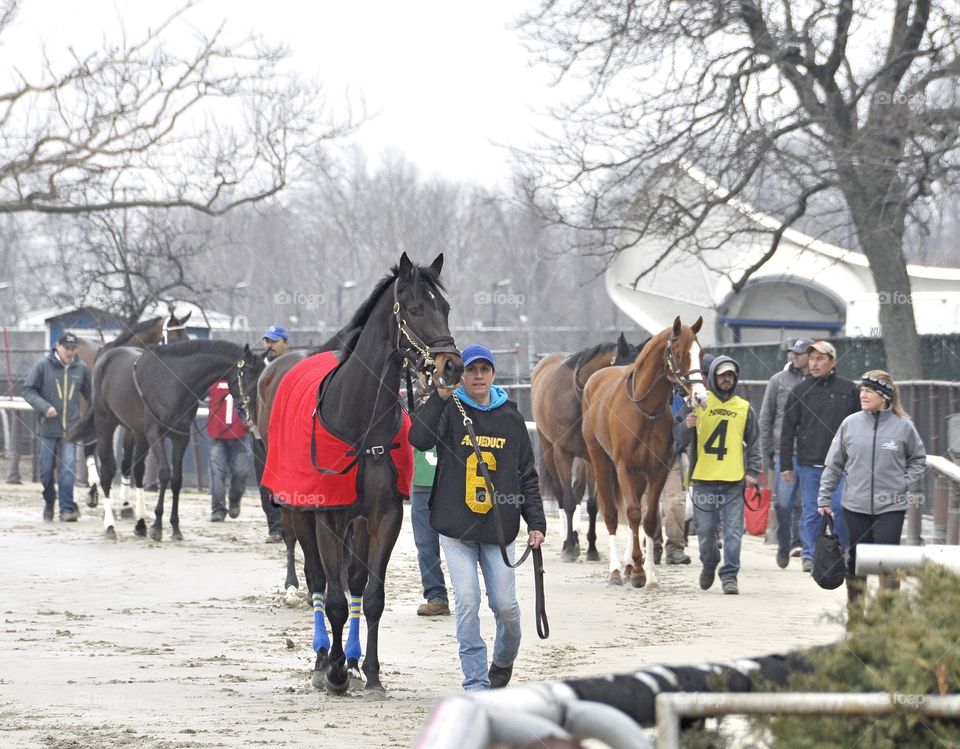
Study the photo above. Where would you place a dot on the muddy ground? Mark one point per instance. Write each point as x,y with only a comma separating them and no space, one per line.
173,645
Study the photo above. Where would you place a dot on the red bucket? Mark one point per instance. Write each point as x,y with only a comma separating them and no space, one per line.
756,509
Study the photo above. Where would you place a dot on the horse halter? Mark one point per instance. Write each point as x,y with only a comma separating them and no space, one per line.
422,351
683,380
244,400
168,328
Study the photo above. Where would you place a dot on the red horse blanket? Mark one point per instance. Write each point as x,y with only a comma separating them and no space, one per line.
290,473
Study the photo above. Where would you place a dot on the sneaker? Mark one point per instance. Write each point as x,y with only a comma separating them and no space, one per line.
807,563
730,587
48,512
706,578
234,509
275,537
500,675
677,557
434,608
783,558
796,551
69,516
217,516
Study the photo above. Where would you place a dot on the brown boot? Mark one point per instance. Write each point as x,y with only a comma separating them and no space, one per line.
856,587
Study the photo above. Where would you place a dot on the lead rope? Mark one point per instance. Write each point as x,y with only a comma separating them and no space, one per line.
543,626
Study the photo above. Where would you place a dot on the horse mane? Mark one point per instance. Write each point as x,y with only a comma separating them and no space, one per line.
200,345
651,347
577,360
140,327
346,338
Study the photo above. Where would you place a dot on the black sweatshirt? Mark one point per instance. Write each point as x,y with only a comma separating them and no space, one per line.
459,507
815,409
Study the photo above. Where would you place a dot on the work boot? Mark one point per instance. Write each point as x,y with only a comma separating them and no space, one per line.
676,556
235,509
69,516
729,586
856,587
434,608
707,578
48,512
807,564
783,558
500,675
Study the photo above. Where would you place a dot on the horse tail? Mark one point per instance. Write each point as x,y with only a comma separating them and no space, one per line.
85,430
549,480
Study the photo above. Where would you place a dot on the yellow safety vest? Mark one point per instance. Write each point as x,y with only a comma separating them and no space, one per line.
720,430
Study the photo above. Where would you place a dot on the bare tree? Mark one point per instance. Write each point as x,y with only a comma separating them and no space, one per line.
846,104
137,124
125,261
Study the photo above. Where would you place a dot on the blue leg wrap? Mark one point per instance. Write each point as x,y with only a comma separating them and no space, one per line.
320,637
352,650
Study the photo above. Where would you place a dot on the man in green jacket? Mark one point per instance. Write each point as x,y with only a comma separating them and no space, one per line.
53,388
425,537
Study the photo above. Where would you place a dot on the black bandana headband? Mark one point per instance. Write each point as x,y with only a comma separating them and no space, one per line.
877,386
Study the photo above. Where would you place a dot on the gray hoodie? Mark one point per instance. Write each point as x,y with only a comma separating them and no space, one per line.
51,383
882,455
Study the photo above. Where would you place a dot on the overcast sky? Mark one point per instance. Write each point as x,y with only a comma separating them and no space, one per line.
448,79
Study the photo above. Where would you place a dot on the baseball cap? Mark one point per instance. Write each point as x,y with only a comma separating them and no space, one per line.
474,352
824,347
801,346
276,333
726,366
69,340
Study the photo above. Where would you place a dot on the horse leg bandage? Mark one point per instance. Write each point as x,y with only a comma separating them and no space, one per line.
93,477
321,641
352,650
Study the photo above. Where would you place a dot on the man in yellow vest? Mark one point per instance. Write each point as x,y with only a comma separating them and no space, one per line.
726,458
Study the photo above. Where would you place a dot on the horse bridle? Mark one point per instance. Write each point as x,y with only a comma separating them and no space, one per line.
419,351
671,371
167,328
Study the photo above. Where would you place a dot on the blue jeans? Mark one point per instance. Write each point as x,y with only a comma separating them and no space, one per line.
786,500
500,581
809,478
228,458
52,448
713,503
428,546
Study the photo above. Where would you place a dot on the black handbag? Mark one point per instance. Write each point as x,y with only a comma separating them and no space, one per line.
828,568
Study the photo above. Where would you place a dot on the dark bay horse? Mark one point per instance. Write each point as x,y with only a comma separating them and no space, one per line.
403,320
155,393
628,431
156,330
556,389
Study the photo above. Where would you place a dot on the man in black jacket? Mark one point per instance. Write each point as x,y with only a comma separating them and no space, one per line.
463,513
815,408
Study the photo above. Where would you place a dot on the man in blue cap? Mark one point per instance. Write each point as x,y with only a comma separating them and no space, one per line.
462,512
275,341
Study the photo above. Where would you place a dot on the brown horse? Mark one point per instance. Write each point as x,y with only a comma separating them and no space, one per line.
556,389
628,430
168,329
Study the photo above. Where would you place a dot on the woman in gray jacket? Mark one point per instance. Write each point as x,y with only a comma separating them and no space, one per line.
881,454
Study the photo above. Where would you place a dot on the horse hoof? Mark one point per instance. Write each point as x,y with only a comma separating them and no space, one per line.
628,570
155,533
615,578
332,687
593,555
176,535
570,554
126,513
377,694
140,529
318,680
110,534
652,583
93,499
291,597
638,580
355,679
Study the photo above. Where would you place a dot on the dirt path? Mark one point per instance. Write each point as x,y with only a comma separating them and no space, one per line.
169,645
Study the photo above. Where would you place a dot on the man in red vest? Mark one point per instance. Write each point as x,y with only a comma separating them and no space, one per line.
230,454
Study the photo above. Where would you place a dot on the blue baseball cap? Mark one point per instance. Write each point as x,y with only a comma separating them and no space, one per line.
276,333
474,352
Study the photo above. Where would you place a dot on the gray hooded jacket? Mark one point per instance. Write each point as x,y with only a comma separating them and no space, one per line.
882,455
51,383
